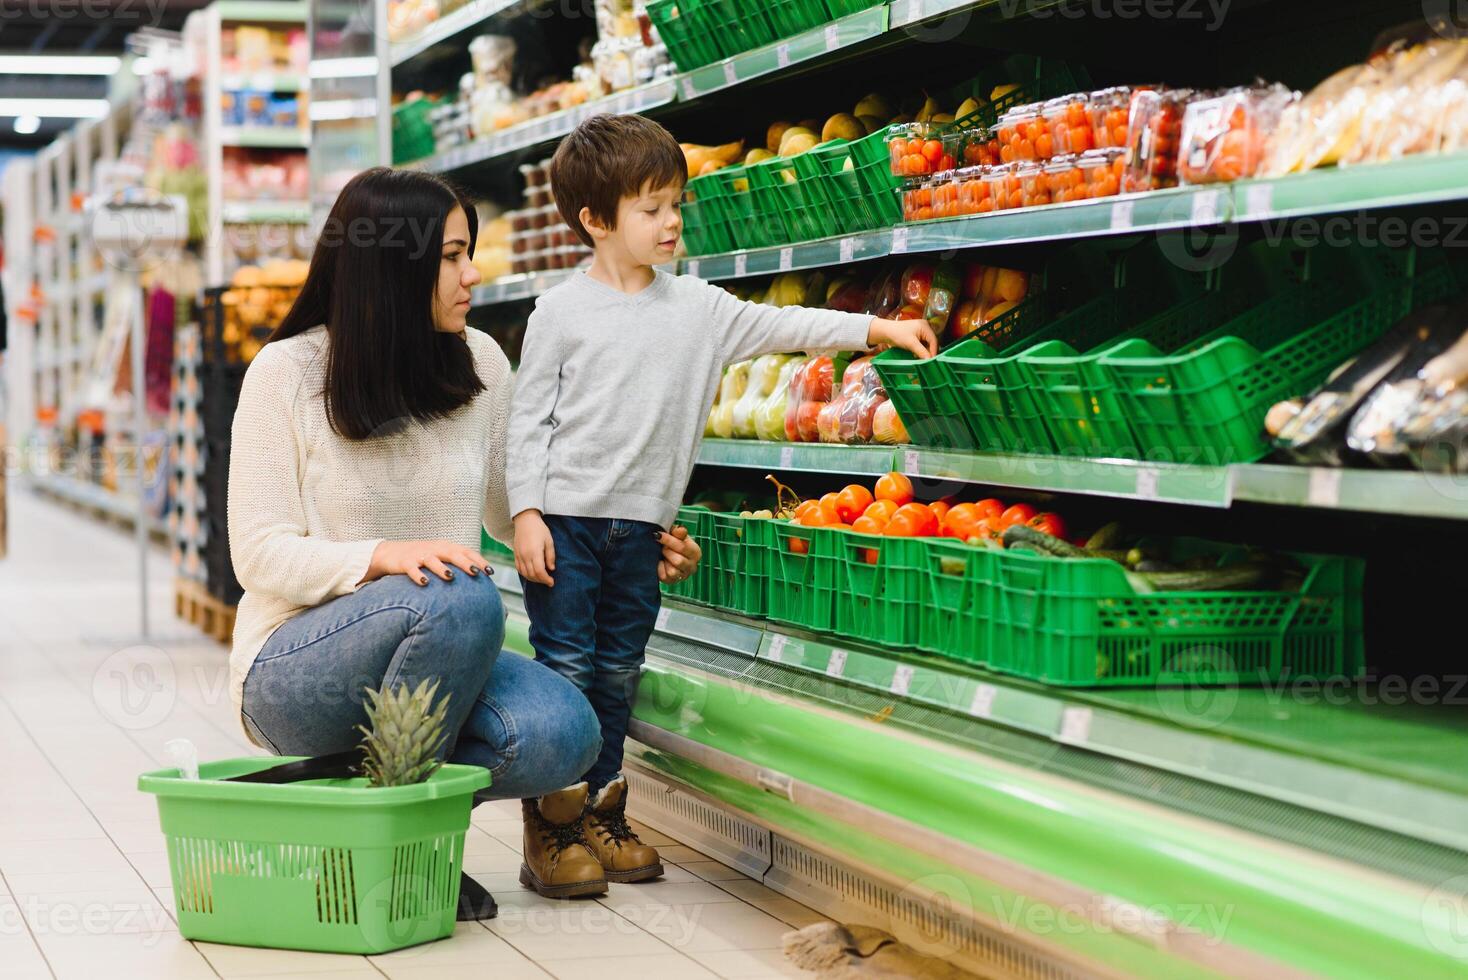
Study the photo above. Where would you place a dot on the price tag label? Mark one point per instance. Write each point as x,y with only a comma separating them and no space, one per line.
777,647
833,37
910,462
836,664
1147,483
899,239
1259,200
902,679
1325,487
983,704
915,11
778,783
731,77
848,249
689,92
1206,207
782,54
662,622
787,457
1075,725
693,268
741,264
787,258
1121,215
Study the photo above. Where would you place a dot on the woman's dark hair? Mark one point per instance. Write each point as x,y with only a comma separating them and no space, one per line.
372,282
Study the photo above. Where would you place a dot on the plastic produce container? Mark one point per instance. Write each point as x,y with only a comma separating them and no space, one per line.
706,225
830,169
695,588
958,597
736,561
1068,123
872,163
880,588
329,865
803,563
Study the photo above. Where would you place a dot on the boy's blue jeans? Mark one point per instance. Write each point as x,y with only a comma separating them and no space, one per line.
592,626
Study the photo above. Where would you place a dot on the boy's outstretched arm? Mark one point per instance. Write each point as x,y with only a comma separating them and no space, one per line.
750,329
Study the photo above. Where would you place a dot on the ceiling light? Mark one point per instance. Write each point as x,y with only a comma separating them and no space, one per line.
55,108
26,125
59,64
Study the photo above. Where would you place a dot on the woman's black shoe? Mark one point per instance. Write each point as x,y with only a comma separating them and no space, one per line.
475,904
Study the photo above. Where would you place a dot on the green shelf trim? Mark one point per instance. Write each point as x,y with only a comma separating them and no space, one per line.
1343,922
1424,179
803,255
517,287
1372,491
265,212
913,873
815,43
263,11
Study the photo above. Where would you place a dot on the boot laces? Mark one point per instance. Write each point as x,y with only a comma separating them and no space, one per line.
612,825
562,836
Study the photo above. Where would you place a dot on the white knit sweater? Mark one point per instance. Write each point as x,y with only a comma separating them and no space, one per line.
307,506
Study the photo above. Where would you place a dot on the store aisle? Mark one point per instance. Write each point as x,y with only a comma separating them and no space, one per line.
84,883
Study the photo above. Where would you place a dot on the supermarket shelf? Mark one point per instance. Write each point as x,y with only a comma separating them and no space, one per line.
545,128
264,81
79,493
524,286
265,212
1299,753
804,255
1371,491
263,137
261,11
816,43
1405,182
446,27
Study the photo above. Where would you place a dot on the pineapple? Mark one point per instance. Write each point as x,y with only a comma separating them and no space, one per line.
401,747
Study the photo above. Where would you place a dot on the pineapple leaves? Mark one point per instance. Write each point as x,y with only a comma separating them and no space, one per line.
401,746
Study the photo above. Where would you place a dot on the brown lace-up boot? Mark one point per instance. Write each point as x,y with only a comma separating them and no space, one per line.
558,863
623,857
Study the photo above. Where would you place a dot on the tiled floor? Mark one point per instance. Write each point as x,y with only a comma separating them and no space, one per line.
84,884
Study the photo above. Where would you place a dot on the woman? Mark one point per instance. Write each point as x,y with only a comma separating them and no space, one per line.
367,450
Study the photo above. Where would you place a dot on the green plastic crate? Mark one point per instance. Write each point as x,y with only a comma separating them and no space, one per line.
685,29
880,601
830,169
412,133
329,865
706,225
791,209
747,228
696,587
802,586
740,25
789,17
1207,402
873,168
1078,622
926,392
490,547
844,8
958,600
736,563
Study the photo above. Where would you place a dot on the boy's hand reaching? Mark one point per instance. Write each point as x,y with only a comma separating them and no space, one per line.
914,336
535,552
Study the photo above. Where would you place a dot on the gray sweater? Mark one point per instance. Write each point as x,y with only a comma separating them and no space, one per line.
614,389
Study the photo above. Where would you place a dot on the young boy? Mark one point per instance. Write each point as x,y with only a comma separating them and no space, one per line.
619,369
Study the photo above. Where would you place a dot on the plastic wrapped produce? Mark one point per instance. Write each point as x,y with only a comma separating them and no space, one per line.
1405,114
1154,133
887,427
811,389
1223,136
769,415
731,389
1023,136
1109,108
942,298
1068,122
764,373
849,417
1387,421
1318,128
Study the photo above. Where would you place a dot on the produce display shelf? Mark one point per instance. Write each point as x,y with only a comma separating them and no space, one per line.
262,11
265,212
815,43
264,137
526,285
533,132
1412,180
1388,765
466,17
264,81
1370,491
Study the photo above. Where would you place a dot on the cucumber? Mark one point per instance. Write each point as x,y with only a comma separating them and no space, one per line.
1022,534
1109,537
1233,578
1153,565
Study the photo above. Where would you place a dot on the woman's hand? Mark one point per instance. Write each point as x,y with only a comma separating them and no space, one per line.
681,555
410,558
914,336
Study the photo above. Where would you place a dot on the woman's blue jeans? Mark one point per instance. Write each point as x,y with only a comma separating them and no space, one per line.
530,727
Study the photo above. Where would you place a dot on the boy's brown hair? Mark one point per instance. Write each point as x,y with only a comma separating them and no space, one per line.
608,158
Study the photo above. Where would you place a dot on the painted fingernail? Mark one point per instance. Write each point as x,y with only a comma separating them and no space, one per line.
448,573
488,570
657,534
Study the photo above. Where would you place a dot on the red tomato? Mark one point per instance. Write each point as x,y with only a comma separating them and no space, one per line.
986,529
961,522
869,555
940,509
1048,523
933,151
901,526
881,510
922,517
829,500
896,488
989,509
866,524
804,508
852,502
1018,514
